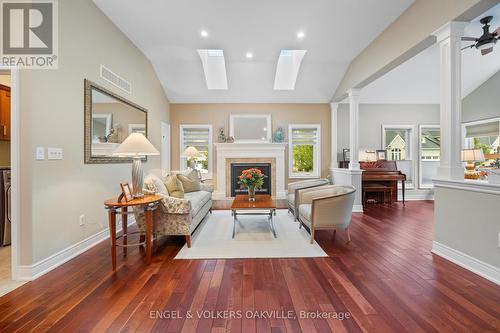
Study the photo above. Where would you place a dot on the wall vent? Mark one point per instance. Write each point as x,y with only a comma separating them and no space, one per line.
115,79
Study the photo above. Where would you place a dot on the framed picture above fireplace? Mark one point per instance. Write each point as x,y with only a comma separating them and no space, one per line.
250,128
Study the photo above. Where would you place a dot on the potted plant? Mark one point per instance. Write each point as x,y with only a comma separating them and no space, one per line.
252,178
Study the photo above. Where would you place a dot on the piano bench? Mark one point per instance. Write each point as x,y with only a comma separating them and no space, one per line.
377,188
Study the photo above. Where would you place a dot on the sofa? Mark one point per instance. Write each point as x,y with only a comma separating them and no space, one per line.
327,207
176,216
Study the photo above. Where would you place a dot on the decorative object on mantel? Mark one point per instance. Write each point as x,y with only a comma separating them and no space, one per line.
230,139
252,178
279,135
222,136
136,145
470,156
191,154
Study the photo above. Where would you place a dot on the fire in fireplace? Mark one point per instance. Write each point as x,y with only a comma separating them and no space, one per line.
237,168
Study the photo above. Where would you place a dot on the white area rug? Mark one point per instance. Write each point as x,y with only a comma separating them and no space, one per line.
212,239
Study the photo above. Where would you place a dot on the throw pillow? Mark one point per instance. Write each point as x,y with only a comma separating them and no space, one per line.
189,184
174,187
191,174
153,184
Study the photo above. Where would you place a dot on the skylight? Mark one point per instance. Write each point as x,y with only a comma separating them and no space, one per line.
288,69
214,67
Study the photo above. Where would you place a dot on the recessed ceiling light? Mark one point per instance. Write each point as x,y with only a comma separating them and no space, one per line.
301,34
249,55
204,33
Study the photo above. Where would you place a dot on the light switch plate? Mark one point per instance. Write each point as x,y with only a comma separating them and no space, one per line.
54,153
40,153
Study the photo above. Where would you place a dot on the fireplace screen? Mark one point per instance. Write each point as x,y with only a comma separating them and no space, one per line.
237,168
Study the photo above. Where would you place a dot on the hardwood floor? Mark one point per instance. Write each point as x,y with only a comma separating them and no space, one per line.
386,280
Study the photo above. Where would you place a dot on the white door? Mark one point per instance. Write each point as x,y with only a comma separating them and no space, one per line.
165,148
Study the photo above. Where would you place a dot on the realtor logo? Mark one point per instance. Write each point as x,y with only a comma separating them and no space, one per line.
29,34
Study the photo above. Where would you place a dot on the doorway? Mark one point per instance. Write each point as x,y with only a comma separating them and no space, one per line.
165,148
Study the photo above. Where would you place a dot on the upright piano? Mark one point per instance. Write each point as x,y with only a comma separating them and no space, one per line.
383,173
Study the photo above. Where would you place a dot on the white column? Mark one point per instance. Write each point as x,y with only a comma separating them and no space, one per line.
333,130
354,128
450,86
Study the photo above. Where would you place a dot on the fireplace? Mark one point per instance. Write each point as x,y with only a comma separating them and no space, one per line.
237,168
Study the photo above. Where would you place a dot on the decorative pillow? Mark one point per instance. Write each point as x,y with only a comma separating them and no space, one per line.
174,187
191,174
153,184
189,184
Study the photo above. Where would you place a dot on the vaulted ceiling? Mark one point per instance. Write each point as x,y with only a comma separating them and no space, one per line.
168,32
417,80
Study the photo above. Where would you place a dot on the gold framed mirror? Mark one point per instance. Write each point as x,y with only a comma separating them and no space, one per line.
109,119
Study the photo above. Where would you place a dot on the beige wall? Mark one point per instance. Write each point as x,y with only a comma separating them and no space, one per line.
282,114
55,193
5,79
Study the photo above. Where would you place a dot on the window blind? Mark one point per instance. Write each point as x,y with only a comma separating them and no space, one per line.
196,137
304,136
486,129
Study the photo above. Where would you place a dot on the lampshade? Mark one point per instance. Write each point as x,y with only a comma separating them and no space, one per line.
470,155
191,152
136,144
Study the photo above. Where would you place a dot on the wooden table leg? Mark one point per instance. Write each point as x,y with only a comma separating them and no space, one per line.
112,235
124,229
155,229
149,221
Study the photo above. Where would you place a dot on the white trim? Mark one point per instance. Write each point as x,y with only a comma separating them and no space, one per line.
316,153
32,272
420,154
268,127
472,264
480,186
411,146
182,160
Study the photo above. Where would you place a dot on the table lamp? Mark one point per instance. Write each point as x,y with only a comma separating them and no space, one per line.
191,153
136,145
470,156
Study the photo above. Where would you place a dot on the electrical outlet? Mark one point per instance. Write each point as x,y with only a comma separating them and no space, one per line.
82,220
54,153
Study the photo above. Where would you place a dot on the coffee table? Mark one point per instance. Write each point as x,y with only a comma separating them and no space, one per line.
263,205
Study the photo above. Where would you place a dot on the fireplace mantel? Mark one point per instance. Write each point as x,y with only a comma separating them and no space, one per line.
250,151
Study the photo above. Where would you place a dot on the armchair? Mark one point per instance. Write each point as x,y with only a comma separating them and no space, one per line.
294,187
326,208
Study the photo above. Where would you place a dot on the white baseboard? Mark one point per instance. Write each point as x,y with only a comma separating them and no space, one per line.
32,272
357,208
472,264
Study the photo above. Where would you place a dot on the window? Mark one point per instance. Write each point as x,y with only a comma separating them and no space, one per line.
305,150
397,141
200,137
485,135
430,152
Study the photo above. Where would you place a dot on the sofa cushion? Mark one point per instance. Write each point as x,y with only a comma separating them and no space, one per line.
291,198
305,213
154,184
189,184
198,199
174,187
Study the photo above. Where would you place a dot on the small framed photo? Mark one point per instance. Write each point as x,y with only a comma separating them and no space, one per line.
381,155
126,192
346,154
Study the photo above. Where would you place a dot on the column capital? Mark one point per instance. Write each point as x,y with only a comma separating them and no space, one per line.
453,28
334,106
354,92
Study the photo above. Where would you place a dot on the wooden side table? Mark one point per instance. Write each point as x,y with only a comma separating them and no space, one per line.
149,203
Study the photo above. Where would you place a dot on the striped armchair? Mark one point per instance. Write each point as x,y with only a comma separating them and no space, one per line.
294,187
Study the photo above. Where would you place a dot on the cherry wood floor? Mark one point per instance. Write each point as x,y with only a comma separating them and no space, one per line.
386,280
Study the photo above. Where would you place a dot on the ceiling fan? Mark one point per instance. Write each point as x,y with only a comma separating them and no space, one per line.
487,40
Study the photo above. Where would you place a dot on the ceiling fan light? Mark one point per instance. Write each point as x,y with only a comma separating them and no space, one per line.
486,45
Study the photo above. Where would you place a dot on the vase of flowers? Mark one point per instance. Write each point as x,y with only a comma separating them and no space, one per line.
252,179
